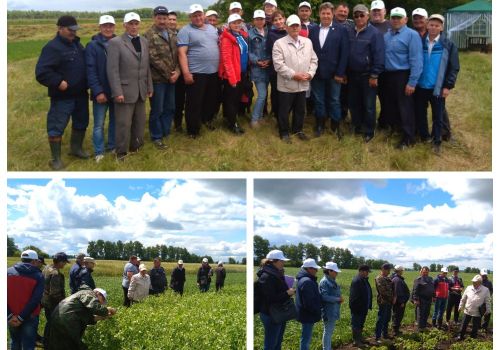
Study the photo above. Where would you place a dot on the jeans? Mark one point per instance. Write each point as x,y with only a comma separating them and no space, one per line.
24,336
60,112
162,110
326,95
273,332
258,107
305,337
439,307
99,111
362,101
422,98
383,318
328,328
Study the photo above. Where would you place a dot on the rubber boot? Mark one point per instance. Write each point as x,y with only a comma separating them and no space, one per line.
319,127
335,126
433,323
55,149
356,336
77,137
440,323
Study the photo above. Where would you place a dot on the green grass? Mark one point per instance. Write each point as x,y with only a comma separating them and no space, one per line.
342,334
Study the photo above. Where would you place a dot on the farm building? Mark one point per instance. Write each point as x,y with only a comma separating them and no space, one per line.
469,25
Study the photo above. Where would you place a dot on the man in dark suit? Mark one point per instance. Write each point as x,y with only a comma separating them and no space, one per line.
130,80
331,44
360,301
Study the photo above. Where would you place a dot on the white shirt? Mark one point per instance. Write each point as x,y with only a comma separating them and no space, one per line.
430,44
323,32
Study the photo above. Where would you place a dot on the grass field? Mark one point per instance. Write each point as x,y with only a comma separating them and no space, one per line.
469,107
194,321
342,335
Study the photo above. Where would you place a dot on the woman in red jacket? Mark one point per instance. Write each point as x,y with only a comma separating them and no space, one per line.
233,69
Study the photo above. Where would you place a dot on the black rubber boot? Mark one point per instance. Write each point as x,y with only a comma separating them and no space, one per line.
319,128
55,149
77,137
433,323
335,126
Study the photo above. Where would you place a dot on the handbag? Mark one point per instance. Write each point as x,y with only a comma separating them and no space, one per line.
283,312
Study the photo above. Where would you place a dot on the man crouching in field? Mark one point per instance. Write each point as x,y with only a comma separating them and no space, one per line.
61,67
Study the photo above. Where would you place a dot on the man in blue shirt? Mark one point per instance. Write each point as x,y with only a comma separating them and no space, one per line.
403,66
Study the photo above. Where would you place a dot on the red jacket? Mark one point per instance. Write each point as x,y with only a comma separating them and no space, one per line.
230,63
24,291
441,285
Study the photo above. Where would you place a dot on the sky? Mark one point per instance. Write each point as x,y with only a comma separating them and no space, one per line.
436,220
101,6
208,217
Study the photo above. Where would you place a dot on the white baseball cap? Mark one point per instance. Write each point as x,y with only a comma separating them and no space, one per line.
444,269
271,2
332,266
259,14
142,267
399,268
235,5
477,278
103,292
195,8
233,17
180,262
276,255
292,19
205,260
106,19
29,254
398,12
220,263
377,5
131,16
484,272
304,3
211,13
420,12
310,263
437,16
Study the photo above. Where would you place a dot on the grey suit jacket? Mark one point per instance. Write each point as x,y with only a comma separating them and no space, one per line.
128,72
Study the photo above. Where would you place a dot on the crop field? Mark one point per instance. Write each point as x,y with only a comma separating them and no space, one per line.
410,340
194,321
469,106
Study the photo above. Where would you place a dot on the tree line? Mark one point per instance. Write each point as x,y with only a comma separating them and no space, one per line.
342,256
32,14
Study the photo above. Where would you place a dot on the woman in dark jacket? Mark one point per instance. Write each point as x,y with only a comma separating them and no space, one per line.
272,289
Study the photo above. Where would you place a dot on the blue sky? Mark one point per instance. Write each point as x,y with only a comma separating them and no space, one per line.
445,219
205,216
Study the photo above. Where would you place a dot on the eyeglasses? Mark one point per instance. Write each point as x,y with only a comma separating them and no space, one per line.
361,15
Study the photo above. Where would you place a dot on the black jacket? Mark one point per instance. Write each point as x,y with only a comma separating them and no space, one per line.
271,287
333,56
204,275
308,299
360,295
178,278
62,60
158,280
401,290
423,289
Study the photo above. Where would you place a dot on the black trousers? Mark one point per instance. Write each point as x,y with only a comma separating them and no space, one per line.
398,313
382,119
399,109
202,99
453,303
231,98
446,130
344,100
273,79
476,322
486,321
296,102
126,300
219,286
180,100
423,311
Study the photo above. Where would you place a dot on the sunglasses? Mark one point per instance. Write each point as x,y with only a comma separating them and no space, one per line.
360,15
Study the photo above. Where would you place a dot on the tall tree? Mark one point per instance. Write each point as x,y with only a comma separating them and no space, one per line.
12,249
260,249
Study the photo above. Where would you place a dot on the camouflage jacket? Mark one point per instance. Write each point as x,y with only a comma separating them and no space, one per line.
53,292
162,54
384,289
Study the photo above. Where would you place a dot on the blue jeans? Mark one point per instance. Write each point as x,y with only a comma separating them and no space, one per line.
383,318
439,307
61,110
24,336
258,107
305,337
273,332
326,95
328,328
99,111
162,110
362,101
422,99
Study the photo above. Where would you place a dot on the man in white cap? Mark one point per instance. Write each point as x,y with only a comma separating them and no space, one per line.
331,299
97,78
204,276
304,12
198,48
475,302
131,84
85,275
403,66
441,288
270,6
308,300
178,278
140,284
401,297
295,63
377,16
220,276
486,283
25,285
212,17
419,20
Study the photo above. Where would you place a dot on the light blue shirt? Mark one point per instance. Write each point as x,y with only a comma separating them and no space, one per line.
203,48
403,51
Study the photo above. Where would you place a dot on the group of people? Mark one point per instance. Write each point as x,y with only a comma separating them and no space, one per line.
274,292
337,65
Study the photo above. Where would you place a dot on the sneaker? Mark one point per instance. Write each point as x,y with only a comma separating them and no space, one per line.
302,136
378,340
99,157
159,145
236,129
436,148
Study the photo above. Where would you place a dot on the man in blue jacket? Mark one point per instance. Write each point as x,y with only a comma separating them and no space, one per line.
61,67
308,300
360,301
331,44
440,70
366,62
401,297
96,58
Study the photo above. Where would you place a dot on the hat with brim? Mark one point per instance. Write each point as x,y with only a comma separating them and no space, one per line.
360,8
105,19
195,8
444,270
271,2
399,268
305,4
310,263
103,293
142,267
377,5
235,5
292,19
331,266
180,262
420,12
438,17
131,16
477,278
364,268
68,22
211,13
259,14
276,255
233,18
29,254
398,12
